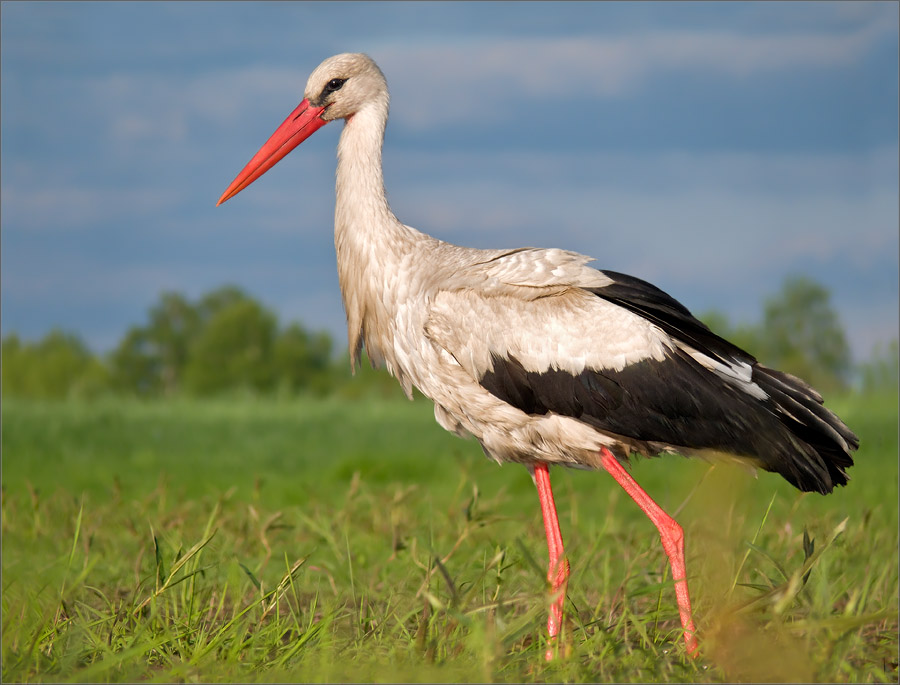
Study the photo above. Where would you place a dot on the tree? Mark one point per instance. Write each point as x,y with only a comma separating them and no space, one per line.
174,324
12,367
803,335
217,300
882,372
746,336
136,364
152,359
233,349
800,333
302,361
57,366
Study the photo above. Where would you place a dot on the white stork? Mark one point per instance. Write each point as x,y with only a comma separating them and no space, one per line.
542,358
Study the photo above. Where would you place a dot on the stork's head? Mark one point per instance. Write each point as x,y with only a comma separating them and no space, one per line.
344,84
340,87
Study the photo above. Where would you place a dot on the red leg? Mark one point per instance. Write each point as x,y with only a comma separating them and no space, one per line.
558,572
672,539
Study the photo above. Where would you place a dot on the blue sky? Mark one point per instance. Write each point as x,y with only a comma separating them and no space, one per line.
711,148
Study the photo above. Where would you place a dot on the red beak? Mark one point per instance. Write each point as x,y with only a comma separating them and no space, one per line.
300,125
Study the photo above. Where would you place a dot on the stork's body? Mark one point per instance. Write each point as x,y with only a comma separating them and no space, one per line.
542,358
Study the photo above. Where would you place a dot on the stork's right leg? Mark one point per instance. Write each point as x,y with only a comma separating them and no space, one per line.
558,572
672,539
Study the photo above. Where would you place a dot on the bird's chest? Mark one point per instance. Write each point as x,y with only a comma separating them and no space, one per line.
395,339
386,306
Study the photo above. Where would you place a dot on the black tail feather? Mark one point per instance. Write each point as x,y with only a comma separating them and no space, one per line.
816,454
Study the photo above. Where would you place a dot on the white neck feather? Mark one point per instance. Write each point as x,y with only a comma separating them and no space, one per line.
361,202
369,240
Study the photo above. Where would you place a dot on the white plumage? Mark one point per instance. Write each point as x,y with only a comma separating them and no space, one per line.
544,359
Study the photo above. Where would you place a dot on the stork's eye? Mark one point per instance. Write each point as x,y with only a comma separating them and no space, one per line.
333,85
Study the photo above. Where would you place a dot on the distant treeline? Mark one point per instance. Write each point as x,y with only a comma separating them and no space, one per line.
225,342
228,342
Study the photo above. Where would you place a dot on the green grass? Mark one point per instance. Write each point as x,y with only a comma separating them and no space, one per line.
326,540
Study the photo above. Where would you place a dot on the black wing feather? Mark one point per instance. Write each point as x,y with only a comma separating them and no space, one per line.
677,402
669,314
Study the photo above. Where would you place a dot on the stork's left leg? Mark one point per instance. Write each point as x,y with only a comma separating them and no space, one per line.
672,539
558,572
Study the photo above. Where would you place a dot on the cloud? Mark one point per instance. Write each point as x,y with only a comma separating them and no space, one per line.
129,110
720,230
443,81
712,228
515,189
151,132
769,171
71,207
675,233
161,106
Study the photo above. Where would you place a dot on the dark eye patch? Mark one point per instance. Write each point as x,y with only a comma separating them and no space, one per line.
333,85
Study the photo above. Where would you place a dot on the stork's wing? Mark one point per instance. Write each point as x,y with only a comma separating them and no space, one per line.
648,301
532,273
622,356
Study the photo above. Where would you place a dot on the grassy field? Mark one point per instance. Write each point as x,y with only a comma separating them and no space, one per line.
313,540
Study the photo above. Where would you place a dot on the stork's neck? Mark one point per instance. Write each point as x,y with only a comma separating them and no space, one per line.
370,242
362,214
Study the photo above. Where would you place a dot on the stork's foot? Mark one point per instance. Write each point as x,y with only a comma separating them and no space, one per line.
672,537
558,572
558,577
